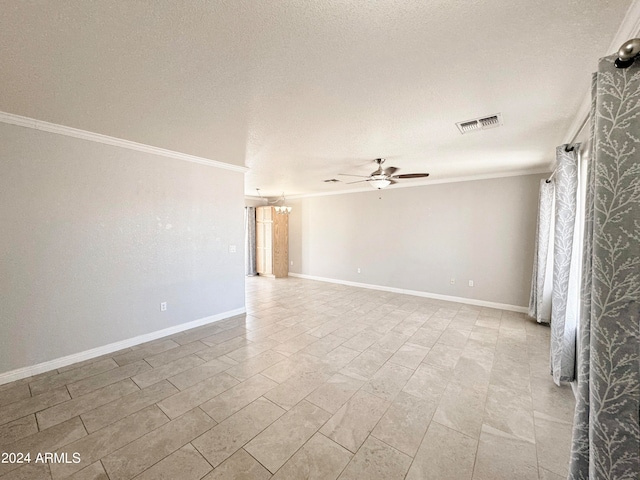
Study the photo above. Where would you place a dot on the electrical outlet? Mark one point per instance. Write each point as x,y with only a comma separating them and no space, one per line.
232,249
471,283
358,269
291,263
453,281
163,307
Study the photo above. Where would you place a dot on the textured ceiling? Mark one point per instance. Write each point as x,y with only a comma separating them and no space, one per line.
302,90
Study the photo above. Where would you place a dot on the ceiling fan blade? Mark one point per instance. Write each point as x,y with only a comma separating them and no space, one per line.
357,181
390,171
393,181
351,175
411,175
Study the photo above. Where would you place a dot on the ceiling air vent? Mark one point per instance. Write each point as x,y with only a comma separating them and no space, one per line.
483,123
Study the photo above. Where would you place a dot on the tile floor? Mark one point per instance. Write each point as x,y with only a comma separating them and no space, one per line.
317,381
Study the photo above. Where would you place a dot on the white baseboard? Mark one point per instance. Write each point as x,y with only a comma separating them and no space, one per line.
416,293
25,372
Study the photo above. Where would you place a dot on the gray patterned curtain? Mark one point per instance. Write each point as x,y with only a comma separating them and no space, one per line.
606,434
250,239
566,266
541,281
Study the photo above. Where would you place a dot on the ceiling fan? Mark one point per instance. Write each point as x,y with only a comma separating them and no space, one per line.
382,178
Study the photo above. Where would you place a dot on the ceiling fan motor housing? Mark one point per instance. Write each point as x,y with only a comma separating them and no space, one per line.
383,178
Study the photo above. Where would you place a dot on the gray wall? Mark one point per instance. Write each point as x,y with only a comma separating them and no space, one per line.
419,238
94,237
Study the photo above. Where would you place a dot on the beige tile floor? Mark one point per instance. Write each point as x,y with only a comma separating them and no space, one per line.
317,381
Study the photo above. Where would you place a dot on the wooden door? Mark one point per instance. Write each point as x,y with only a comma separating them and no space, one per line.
281,245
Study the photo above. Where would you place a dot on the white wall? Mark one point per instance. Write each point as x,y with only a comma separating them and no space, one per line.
94,237
419,238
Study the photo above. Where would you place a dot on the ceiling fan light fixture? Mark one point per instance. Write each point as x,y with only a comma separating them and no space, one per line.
382,178
380,183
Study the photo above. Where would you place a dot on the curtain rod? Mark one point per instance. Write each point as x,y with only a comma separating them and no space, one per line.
627,53
569,147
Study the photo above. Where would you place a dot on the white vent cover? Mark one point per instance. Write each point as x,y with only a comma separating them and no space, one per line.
482,123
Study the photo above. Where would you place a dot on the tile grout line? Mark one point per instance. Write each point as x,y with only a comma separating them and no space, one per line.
147,433
104,469
301,446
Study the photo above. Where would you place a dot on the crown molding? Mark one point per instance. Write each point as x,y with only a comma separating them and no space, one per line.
424,183
27,122
629,28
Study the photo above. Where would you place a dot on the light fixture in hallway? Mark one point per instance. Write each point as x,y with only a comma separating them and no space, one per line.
282,208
